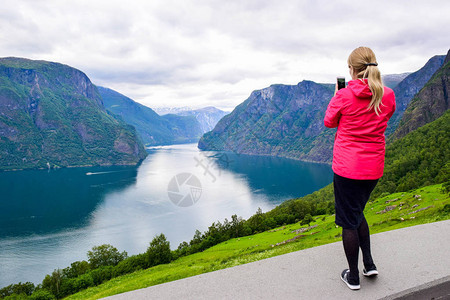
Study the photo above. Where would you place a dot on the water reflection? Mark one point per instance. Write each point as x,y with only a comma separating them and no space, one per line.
51,219
277,178
41,202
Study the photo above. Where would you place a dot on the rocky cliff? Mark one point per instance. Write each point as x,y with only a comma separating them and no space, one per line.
281,120
51,115
429,104
409,87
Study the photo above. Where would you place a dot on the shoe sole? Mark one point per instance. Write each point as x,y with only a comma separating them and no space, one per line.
351,286
370,273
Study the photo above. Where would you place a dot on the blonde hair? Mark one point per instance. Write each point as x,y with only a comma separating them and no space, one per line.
365,65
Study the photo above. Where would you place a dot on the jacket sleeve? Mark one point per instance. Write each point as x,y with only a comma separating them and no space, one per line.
334,112
393,107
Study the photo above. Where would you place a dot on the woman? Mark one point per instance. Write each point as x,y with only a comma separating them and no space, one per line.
360,112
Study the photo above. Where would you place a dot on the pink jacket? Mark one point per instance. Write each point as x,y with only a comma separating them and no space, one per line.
359,144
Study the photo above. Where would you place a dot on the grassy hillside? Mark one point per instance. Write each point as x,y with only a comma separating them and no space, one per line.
424,205
420,158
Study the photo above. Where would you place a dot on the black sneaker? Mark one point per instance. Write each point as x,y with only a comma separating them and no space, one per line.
370,272
344,277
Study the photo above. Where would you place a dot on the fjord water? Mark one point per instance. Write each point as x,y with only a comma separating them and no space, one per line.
50,218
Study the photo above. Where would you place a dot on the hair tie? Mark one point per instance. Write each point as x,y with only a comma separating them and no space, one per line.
371,64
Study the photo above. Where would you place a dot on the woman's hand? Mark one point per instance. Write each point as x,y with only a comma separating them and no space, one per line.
335,89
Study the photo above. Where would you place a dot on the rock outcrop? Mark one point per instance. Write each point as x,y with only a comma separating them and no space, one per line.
429,104
409,87
281,120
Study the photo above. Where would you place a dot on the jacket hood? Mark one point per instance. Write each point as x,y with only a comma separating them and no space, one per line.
360,88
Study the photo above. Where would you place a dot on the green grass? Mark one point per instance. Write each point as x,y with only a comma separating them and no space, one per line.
263,245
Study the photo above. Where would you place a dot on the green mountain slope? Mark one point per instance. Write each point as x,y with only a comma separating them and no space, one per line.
420,158
152,128
52,115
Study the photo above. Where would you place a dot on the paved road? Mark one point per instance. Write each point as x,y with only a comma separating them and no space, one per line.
411,261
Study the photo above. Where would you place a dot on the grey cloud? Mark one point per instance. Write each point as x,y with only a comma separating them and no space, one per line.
142,77
193,43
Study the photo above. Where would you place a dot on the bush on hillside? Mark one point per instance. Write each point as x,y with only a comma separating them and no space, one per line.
105,255
159,251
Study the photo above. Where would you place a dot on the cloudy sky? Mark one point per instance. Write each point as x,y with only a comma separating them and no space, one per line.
216,52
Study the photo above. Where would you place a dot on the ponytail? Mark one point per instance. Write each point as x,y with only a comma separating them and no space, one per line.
364,63
376,87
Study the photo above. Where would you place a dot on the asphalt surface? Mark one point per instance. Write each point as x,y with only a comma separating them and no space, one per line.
414,263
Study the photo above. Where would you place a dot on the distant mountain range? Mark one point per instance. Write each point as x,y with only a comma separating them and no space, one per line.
153,129
287,121
172,110
170,126
51,115
392,80
207,116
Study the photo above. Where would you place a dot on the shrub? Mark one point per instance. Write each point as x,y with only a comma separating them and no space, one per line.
26,288
42,294
307,220
68,287
99,275
16,297
159,251
270,222
131,264
182,250
105,255
76,269
84,281
283,218
52,283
